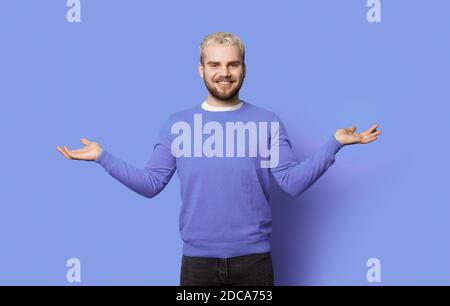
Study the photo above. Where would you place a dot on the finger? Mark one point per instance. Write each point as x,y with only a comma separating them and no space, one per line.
368,140
352,128
63,153
75,153
372,128
84,141
69,152
376,133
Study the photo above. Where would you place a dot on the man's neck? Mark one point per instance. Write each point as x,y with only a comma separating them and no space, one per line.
221,103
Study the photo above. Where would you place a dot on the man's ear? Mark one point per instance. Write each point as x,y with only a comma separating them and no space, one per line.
200,70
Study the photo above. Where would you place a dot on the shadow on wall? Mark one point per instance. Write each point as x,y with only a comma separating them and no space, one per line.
299,226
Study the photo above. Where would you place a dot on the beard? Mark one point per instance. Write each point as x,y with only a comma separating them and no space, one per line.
225,96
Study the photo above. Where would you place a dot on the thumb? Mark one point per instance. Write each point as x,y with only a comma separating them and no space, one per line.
353,128
84,141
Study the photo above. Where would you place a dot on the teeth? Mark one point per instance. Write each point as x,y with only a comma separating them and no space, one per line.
224,83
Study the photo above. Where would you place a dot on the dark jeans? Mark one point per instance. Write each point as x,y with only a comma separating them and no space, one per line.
247,270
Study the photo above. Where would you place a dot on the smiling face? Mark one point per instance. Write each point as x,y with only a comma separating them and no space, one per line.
223,71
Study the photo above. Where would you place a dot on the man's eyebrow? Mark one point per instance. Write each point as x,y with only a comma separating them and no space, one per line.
232,62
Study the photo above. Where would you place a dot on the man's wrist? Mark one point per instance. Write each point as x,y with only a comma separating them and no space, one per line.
100,156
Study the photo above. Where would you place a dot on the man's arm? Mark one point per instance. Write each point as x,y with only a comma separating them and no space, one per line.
148,181
293,176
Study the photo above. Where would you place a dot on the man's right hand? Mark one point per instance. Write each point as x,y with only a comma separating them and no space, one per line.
90,151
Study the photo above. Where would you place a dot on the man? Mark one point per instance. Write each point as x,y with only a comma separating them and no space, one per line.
225,152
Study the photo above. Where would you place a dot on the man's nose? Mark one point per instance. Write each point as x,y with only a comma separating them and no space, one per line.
225,72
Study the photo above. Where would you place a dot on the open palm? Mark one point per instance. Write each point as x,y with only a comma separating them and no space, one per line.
348,135
90,151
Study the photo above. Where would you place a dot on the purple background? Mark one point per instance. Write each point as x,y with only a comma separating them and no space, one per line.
319,65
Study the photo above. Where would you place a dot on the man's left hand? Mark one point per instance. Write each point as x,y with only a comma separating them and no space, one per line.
348,136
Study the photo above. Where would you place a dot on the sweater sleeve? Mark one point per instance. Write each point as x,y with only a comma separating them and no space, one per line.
295,177
153,177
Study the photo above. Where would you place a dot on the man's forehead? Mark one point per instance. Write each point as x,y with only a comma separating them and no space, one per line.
219,53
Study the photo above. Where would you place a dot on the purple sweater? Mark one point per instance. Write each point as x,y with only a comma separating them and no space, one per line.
225,208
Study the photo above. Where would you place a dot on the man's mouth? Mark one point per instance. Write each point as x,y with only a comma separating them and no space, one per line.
225,84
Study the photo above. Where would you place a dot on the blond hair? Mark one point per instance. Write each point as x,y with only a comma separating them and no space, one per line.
221,38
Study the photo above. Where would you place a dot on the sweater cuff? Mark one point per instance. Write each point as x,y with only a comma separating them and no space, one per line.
103,158
334,145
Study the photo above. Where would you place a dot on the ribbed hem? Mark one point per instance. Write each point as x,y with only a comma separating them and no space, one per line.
225,250
104,159
334,145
